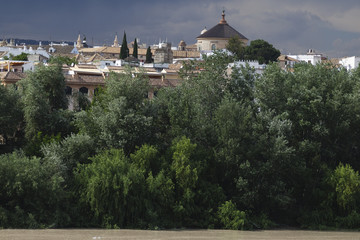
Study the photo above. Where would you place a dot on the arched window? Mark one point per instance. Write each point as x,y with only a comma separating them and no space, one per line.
84,90
213,47
96,91
68,90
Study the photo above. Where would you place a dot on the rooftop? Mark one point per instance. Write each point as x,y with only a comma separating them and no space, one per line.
222,30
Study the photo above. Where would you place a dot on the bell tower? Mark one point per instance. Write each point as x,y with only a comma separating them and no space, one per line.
79,43
116,42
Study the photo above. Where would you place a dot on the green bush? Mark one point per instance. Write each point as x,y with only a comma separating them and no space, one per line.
230,217
30,192
346,182
351,221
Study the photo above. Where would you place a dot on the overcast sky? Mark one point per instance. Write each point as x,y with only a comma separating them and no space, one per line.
293,26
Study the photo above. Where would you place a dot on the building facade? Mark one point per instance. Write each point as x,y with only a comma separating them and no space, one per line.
218,36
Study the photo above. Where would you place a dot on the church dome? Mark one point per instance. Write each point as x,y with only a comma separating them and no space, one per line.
221,31
203,31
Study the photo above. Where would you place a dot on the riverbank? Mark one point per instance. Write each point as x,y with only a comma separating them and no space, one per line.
98,234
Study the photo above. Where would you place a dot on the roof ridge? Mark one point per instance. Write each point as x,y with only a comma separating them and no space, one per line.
221,30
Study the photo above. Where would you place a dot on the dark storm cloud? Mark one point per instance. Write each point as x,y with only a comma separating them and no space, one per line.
293,26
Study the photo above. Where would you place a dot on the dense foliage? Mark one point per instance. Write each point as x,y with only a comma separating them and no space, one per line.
259,50
21,57
232,150
62,60
11,117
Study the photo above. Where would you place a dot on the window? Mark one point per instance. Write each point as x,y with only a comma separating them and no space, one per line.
84,90
213,47
96,91
68,90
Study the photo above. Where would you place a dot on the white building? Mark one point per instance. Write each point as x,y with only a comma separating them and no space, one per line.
14,51
259,68
310,57
350,63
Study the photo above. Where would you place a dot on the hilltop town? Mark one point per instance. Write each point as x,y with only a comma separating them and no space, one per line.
224,133
160,62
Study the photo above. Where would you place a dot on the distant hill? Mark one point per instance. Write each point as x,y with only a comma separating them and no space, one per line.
36,42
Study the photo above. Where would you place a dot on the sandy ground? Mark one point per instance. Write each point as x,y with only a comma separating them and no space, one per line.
93,234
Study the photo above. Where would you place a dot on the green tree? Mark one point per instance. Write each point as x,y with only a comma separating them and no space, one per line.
45,103
135,51
21,57
124,51
62,60
11,116
68,153
81,101
185,176
236,47
148,56
230,217
113,185
262,51
119,118
346,182
319,101
31,193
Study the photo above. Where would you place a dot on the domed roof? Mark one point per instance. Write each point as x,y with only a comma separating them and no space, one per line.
203,31
221,30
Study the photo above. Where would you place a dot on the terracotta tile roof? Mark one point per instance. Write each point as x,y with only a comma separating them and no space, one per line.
60,50
287,58
84,79
3,74
80,58
118,69
150,70
186,54
154,82
12,76
176,66
334,61
95,57
92,50
191,47
85,66
171,71
112,50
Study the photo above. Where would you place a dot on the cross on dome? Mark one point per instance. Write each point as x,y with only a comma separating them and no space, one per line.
223,21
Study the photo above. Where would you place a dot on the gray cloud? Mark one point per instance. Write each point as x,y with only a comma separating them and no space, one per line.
293,26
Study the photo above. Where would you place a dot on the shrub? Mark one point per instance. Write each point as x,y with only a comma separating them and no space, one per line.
230,217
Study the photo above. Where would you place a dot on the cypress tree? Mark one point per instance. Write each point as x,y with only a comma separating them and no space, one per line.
148,55
135,51
124,52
